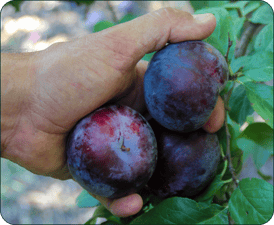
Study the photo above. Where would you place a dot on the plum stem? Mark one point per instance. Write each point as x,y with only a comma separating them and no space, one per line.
225,167
123,147
228,181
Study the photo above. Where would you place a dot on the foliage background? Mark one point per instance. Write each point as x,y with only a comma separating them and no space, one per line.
33,199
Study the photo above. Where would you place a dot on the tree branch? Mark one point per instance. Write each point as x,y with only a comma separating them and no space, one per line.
241,46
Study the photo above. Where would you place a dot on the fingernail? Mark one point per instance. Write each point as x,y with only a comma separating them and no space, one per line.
203,18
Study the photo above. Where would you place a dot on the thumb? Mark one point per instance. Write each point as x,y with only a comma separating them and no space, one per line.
152,31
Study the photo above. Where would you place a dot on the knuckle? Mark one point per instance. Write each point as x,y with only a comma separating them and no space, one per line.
165,13
172,15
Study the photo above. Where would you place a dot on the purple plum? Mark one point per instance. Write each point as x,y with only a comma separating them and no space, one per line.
182,84
112,152
187,162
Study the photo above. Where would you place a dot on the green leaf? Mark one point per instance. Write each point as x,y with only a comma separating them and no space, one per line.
199,4
260,74
252,202
233,13
219,38
83,2
260,160
265,38
265,177
212,4
238,4
250,47
237,25
239,62
247,147
222,138
259,60
148,56
234,130
85,200
244,79
250,119
15,4
236,153
252,5
127,18
240,105
102,25
227,87
110,222
215,185
207,4
219,218
257,140
179,210
207,202
269,48
260,133
237,160
91,221
237,163
261,98
101,211
262,15
259,154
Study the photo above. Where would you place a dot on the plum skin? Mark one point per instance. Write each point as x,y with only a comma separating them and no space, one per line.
187,163
182,84
112,152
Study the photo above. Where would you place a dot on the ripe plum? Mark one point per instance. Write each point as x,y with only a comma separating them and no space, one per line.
182,84
187,162
112,152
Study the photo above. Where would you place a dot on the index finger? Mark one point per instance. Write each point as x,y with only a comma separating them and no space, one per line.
152,31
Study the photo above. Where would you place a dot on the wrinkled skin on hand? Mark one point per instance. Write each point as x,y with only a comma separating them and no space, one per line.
112,152
187,163
182,84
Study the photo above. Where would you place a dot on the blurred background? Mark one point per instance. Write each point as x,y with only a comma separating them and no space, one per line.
28,26
38,24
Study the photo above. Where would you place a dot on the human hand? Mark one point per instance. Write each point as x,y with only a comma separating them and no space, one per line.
69,80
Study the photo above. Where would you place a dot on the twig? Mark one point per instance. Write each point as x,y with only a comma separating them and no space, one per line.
239,12
228,136
114,17
229,218
228,48
227,108
241,46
